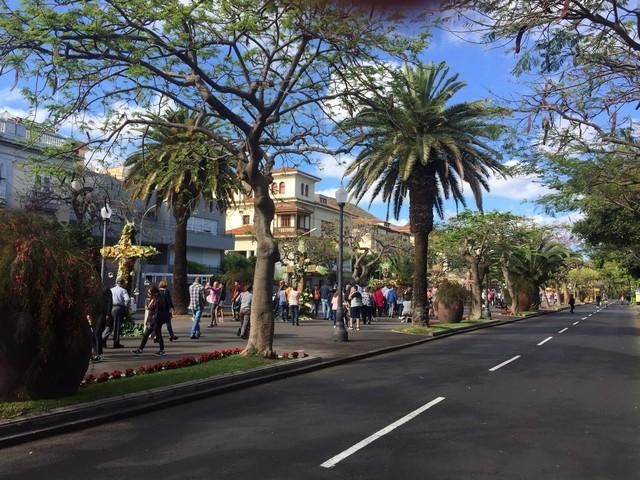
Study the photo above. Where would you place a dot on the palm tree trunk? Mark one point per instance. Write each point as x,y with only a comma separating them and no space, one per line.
421,200
180,287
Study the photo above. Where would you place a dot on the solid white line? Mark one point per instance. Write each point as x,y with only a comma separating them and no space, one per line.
333,461
493,369
545,341
576,322
563,330
584,318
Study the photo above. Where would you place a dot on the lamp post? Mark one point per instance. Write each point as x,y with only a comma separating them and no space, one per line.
105,213
340,332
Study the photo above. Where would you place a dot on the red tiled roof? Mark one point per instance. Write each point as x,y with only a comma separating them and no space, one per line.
242,230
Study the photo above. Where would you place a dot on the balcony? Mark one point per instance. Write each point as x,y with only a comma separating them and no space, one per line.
288,232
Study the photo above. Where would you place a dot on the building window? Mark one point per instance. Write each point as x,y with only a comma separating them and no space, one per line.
302,189
323,200
206,225
306,190
281,188
246,219
274,188
285,220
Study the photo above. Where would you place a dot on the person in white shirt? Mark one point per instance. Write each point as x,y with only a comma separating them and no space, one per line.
121,300
294,305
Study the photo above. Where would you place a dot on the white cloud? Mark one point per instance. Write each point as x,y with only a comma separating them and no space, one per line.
330,166
518,187
560,221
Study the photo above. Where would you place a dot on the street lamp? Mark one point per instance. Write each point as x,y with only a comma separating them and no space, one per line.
105,213
340,332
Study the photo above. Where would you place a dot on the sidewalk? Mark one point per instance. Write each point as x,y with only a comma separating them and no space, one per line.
315,337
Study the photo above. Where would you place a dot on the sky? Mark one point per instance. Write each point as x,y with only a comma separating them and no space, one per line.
487,72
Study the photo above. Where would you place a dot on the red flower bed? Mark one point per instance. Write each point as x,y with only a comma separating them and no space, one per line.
167,365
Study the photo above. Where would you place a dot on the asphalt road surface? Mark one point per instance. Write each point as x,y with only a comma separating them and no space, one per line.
554,397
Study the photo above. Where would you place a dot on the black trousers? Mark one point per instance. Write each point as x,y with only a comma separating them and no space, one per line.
99,331
156,328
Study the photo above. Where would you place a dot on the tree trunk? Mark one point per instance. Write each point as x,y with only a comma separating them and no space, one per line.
180,286
422,192
476,290
267,254
511,288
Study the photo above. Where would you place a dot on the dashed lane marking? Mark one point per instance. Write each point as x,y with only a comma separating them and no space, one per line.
512,359
333,461
544,341
563,330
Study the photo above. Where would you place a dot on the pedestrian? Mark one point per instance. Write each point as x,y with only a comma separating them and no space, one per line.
103,318
246,298
367,306
334,307
197,302
325,299
165,309
405,317
213,297
294,305
120,302
572,302
152,305
392,298
221,298
316,301
283,306
355,307
235,303
378,302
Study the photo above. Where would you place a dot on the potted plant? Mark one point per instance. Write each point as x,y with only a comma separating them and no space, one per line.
449,301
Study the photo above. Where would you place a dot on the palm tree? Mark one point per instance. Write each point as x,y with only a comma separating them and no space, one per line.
535,264
180,166
415,144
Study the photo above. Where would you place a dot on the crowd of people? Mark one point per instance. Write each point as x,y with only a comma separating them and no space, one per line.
361,306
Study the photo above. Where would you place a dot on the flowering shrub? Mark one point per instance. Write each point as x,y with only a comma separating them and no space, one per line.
129,372
294,354
103,377
90,379
285,355
116,374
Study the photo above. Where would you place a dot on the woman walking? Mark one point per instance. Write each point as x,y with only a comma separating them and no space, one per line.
294,306
154,324
165,309
213,298
355,310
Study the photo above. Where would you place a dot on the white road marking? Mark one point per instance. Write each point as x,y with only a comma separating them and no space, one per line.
545,341
584,318
333,461
563,330
513,359
576,322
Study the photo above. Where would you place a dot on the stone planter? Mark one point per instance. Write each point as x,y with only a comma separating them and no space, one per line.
450,312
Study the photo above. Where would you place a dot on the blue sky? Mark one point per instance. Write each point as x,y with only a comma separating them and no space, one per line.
487,72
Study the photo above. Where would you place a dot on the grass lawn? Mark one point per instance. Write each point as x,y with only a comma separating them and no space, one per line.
453,326
112,388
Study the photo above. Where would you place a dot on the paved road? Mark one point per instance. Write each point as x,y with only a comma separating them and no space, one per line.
568,408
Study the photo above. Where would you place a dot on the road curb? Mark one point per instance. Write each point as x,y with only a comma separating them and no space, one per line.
76,417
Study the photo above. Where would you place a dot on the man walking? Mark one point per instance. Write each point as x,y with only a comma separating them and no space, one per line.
325,298
197,301
246,298
121,300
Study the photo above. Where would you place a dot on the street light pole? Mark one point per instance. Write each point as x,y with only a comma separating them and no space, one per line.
105,213
340,332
